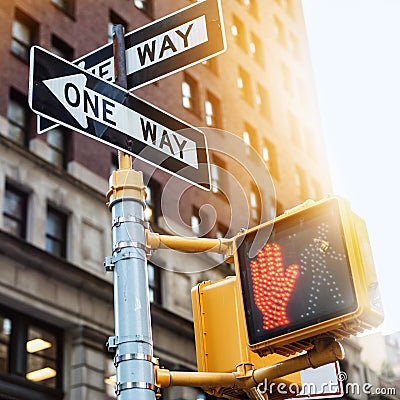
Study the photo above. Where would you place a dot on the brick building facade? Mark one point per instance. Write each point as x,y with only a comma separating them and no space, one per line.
56,308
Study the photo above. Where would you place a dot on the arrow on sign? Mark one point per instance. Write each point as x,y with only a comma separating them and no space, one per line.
83,103
75,98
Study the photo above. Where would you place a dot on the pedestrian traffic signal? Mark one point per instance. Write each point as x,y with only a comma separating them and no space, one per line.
308,272
221,344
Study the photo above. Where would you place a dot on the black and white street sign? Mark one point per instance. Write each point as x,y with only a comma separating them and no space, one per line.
73,97
165,46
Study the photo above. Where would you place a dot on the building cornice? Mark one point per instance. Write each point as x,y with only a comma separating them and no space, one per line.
50,169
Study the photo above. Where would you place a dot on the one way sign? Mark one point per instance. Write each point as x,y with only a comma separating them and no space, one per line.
163,47
73,97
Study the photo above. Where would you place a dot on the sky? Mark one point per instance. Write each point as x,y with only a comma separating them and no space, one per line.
355,53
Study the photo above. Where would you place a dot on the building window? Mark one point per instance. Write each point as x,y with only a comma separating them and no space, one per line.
263,102
41,361
212,65
293,45
114,19
311,145
295,132
5,338
279,208
144,5
114,163
195,221
256,49
56,232
279,31
221,231
24,32
301,183
62,49
18,118
154,283
255,202
244,84
250,137
217,168
316,190
269,156
67,6
286,78
214,178
15,211
30,349
153,193
56,141
288,6
246,138
239,33
213,111
190,94
251,7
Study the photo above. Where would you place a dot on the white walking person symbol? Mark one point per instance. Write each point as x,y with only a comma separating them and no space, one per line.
314,260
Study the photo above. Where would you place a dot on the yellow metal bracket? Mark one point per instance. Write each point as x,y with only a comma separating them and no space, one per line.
126,182
189,244
326,351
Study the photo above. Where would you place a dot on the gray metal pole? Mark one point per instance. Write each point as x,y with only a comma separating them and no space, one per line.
133,339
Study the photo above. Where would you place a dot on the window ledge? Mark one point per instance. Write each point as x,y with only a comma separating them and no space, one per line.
20,387
38,161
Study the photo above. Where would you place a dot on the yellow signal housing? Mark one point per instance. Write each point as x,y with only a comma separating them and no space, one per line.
322,252
221,344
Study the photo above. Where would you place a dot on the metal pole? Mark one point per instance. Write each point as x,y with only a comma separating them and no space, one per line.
133,340
120,78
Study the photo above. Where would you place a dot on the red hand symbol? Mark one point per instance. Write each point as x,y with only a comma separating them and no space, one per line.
272,285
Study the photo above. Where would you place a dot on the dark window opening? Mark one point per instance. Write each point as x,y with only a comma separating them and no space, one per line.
68,6
57,146
212,65
244,84
15,211
213,111
263,102
153,201
24,35
239,33
56,232
61,48
269,156
144,5
154,283
30,349
114,19
18,116
256,49
190,94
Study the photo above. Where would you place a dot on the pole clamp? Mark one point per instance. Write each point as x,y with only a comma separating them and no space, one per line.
134,385
110,261
122,245
112,343
109,264
117,221
135,356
